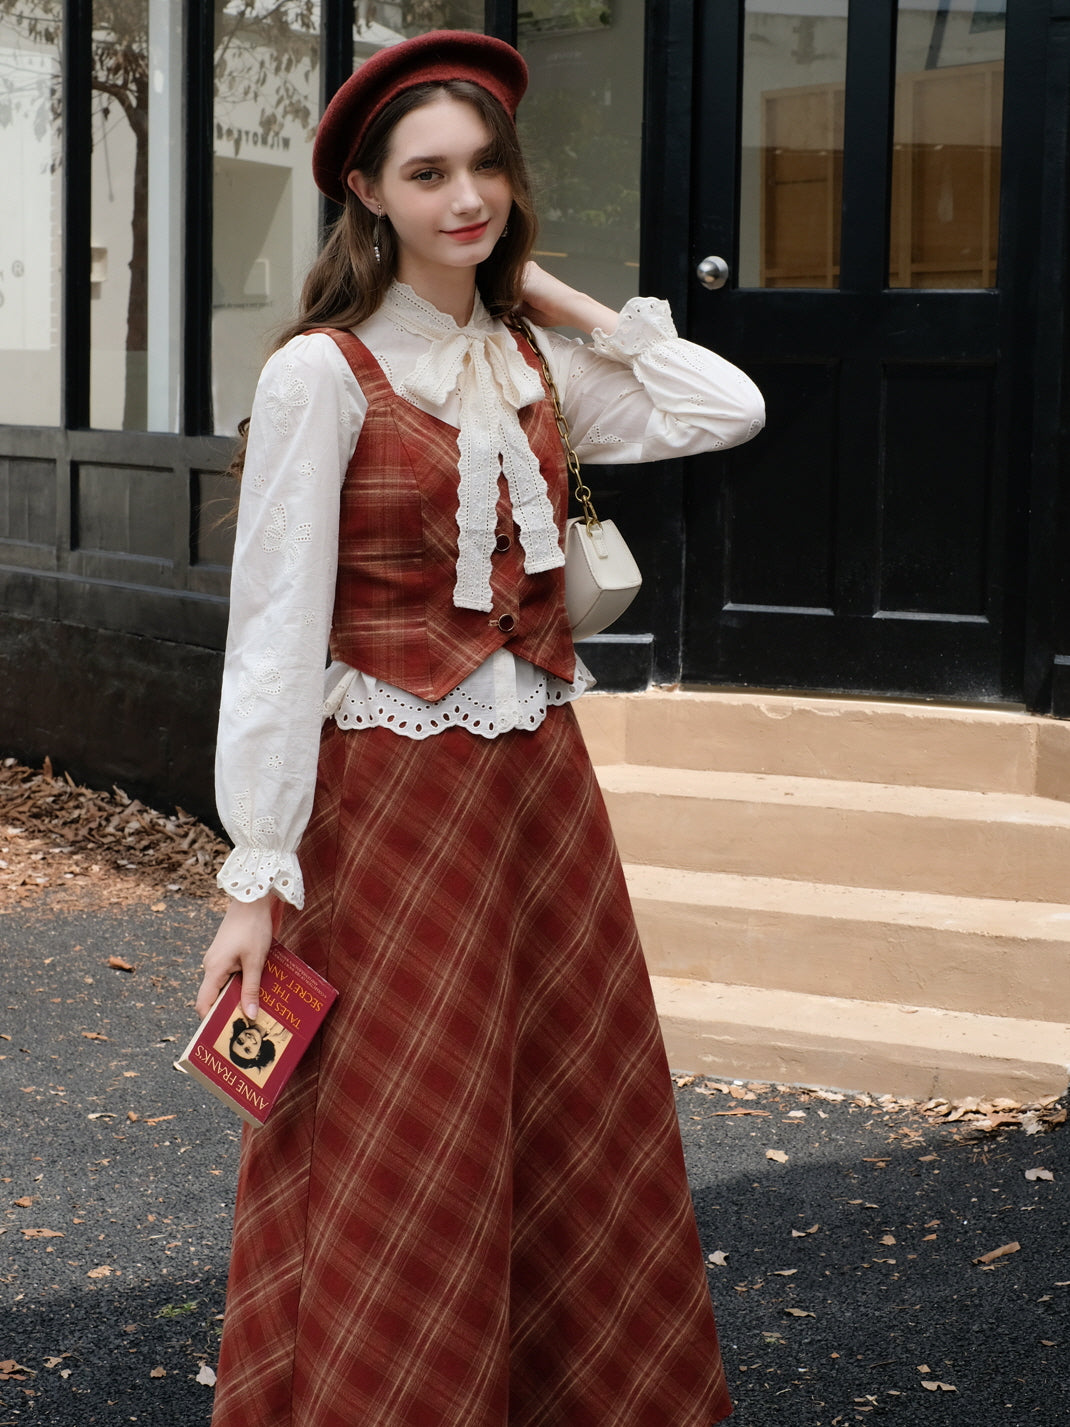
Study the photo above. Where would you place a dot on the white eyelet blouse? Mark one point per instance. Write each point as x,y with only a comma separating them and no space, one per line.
640,394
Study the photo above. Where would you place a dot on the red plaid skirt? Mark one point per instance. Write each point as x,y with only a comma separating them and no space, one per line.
470,1207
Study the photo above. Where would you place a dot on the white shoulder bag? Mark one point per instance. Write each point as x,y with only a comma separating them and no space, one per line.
601,576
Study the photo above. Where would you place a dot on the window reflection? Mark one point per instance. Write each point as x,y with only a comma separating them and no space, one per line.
416,17
30,267
581,124
136,175
265,208
794,63
946,164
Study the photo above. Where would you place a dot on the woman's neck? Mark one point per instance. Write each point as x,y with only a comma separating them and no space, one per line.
452,291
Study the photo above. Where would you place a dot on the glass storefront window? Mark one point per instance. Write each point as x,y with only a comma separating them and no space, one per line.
266,210
794,70
136,259
416,17
30,246
946,163
581,125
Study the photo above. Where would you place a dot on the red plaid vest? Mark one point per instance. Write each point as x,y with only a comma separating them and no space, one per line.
394,616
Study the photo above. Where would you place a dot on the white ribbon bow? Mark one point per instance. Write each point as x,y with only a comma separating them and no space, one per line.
484,366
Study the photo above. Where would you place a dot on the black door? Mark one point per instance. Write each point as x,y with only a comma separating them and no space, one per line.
870,175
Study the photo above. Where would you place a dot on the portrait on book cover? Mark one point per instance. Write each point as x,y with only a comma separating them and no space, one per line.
255,1047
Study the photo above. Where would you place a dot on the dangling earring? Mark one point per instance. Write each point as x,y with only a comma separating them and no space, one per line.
505,231
375,235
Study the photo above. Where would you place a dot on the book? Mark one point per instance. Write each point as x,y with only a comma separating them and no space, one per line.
247,1063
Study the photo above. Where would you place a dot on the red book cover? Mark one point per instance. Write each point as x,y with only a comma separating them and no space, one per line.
247,1063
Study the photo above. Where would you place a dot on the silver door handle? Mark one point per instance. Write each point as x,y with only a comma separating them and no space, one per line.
712,272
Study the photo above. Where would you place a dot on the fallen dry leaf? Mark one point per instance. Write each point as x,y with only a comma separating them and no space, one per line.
999,1253
55,1362
206,1375
94,1036
741,1111
158,1372
784,1272
888,1239
42,1234
802,1233
778,1155
799,1313
11,1371
718,1257
118,964
116,828
942,1386
25,1202
102,1272
1039,1174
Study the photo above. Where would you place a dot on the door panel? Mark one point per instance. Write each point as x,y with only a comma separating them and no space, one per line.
933,546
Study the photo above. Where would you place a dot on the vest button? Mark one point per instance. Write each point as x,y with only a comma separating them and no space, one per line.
506,623
504,542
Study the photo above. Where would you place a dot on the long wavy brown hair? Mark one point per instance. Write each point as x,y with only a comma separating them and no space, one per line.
346,284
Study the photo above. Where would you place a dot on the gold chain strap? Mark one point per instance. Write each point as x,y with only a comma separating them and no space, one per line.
581,491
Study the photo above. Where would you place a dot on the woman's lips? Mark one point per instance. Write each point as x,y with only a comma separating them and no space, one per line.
469,234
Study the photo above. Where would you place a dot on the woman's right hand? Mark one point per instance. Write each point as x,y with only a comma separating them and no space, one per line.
240,945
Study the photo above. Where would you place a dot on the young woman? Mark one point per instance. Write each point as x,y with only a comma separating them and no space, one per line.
470,1208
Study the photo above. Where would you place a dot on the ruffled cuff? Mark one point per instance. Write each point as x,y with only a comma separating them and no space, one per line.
252,872
644,322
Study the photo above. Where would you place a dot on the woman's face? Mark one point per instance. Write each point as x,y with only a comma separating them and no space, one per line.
441,189
248,1042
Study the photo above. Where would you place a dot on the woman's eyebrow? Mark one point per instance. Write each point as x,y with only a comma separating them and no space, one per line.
429,160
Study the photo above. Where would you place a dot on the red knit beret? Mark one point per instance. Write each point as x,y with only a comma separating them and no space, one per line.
434,57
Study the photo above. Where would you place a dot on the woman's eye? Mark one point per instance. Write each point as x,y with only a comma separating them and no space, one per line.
425,175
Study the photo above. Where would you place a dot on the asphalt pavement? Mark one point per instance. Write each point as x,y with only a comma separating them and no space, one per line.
841,1237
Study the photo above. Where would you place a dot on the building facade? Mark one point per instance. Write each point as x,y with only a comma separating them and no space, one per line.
884,183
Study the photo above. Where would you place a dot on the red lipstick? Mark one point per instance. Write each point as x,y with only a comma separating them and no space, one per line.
469,234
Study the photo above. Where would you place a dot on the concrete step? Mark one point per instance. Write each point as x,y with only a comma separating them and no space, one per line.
873,741
751,1033
1002,845
977,954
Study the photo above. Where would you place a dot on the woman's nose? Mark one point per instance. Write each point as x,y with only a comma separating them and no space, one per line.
466,194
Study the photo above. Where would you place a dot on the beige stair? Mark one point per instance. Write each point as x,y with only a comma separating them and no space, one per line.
860,894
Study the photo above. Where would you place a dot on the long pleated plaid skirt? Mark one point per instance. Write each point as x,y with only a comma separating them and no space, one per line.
469,1209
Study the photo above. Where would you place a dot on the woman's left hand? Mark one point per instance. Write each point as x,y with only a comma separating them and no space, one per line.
549,302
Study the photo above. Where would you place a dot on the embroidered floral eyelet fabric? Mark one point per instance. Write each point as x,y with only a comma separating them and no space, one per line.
638,394
505,694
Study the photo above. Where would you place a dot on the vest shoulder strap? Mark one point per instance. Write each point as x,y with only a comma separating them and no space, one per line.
369,374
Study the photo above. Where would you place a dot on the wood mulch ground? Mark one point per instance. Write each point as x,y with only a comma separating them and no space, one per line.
64,846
